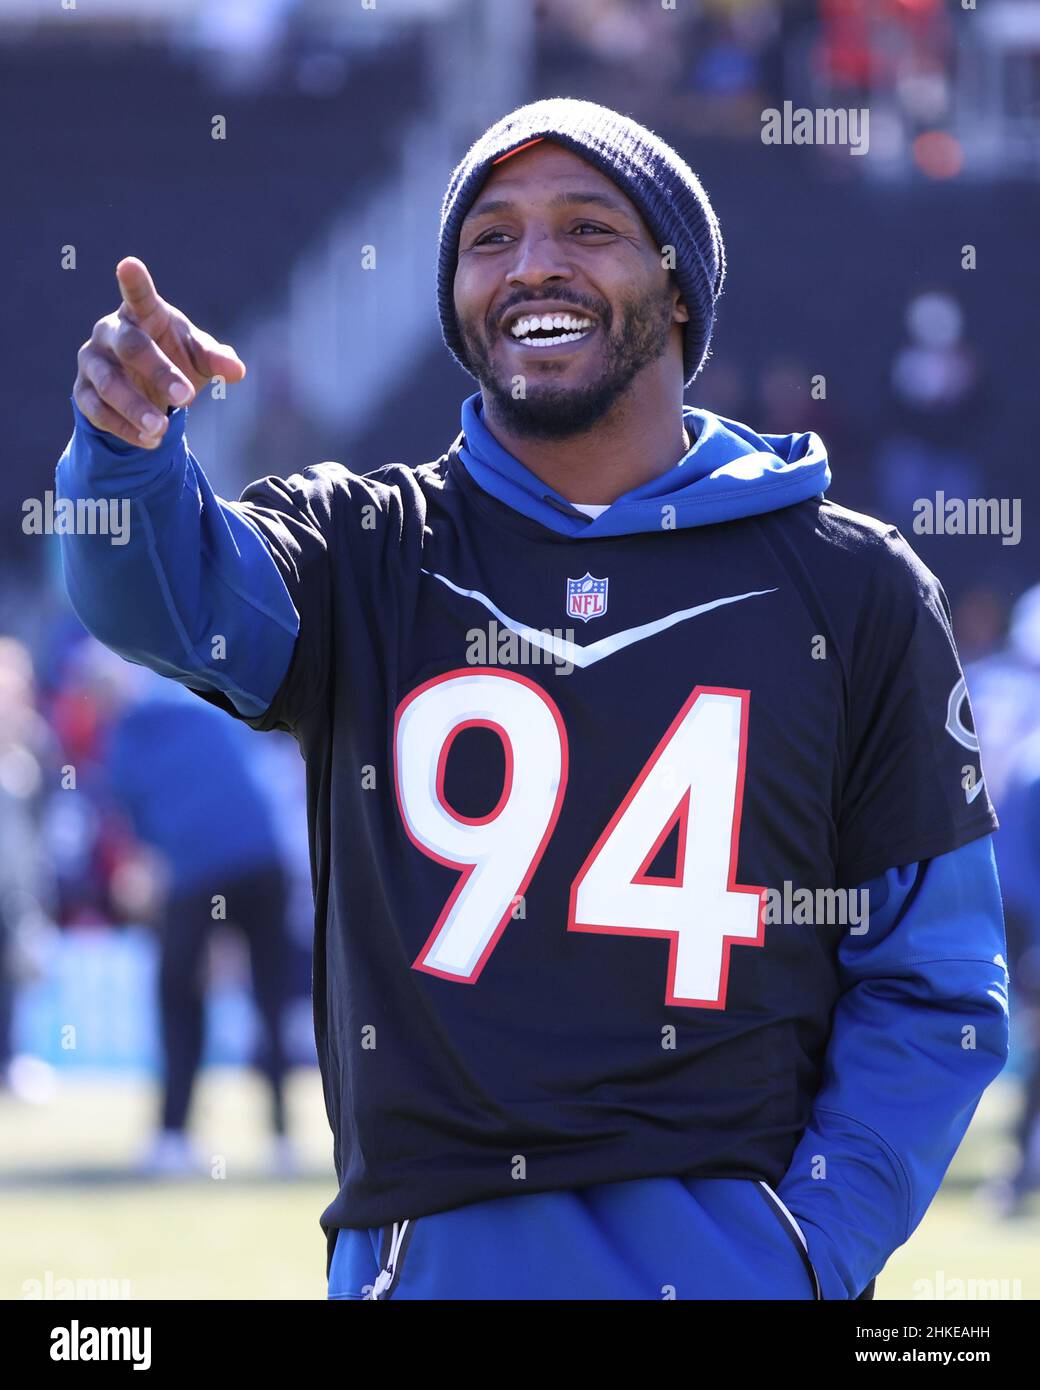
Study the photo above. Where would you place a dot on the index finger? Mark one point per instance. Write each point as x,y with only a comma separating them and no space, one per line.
136,287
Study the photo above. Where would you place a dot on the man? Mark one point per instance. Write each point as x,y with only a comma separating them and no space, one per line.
28,892
1006,699
183,776
575,1040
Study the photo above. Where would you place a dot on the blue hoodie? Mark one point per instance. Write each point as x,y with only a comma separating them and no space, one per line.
729,472
891,1112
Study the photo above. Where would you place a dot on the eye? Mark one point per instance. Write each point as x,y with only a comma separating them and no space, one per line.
486,238
594,228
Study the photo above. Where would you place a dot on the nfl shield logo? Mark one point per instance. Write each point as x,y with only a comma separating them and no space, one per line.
586,597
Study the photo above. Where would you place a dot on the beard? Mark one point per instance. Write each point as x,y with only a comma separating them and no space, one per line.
555,412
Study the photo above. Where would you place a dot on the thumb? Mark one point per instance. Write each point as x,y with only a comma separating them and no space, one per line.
211,358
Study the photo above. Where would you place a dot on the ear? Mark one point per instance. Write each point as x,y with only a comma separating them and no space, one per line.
680,313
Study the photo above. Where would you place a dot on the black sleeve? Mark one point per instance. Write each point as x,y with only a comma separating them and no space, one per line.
295,517
913,785
348,548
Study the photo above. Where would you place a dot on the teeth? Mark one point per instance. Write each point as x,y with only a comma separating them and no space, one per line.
570,324
551,342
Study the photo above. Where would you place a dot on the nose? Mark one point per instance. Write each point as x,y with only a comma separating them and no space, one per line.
539,258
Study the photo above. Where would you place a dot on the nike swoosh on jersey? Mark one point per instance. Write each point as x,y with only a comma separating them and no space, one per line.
574,652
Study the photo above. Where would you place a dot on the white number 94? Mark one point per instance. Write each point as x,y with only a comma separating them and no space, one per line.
691,785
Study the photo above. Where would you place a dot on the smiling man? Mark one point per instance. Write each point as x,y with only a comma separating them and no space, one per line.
566,315
568,1050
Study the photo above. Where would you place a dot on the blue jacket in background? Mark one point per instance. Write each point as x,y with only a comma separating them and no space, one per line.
184,773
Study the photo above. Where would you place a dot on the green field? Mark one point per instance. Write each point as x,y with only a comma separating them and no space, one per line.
68,1206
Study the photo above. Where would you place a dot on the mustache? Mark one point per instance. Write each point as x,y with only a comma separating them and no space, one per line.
601,312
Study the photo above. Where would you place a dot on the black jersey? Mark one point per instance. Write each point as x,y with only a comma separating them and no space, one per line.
574,809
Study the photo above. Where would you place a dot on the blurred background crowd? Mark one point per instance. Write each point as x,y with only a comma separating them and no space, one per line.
887,301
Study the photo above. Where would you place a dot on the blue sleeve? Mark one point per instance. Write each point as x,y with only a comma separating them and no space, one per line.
919,1032
186,584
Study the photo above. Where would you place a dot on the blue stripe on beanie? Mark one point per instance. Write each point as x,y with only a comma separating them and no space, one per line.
661,184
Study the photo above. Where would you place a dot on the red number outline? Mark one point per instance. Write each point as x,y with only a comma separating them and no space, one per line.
732,886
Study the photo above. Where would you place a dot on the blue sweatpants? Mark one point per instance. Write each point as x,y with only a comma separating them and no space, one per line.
654,1238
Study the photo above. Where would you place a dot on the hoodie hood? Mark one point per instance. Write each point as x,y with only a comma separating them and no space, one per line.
730,472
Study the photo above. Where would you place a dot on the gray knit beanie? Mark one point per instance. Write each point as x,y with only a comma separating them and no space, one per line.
657,180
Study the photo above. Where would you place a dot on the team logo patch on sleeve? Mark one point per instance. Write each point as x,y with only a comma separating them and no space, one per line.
956,708
586,597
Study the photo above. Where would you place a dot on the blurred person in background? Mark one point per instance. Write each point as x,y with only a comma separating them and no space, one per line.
937,409
980,621
1023,922
185,777
26,889
1005,696
788,391
85,845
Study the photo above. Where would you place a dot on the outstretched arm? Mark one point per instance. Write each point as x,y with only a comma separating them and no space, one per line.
190,587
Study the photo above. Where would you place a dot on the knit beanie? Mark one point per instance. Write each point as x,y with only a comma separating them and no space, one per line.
657,180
